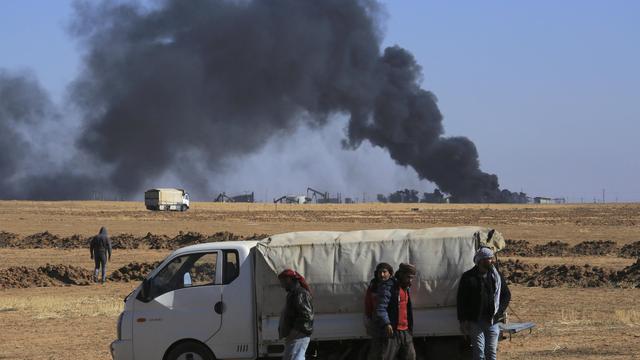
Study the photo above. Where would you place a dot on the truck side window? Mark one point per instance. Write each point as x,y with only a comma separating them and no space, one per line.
201,268
231,266
203,271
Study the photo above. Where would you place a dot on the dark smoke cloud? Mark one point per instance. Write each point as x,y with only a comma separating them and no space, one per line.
186,83
25,171
23,104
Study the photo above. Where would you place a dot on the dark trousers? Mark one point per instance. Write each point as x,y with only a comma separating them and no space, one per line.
100,259
399,346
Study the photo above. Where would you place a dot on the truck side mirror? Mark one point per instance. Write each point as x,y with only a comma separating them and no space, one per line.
186,280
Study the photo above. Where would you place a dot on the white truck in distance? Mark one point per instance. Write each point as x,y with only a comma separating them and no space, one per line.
223,300
166,199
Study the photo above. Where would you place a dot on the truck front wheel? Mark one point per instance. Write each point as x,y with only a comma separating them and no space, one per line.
190,350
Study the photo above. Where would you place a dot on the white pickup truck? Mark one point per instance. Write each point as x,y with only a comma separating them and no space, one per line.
223,301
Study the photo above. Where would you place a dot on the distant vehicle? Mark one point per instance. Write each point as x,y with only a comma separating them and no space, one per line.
166,199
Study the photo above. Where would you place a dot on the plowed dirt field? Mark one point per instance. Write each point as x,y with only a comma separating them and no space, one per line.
573,269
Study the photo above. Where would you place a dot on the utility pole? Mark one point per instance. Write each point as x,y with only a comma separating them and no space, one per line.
603,196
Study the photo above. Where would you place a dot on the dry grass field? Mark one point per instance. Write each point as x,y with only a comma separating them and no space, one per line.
78,322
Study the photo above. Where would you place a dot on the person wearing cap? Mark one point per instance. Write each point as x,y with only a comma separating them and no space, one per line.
100,249
296,320
394,317
381,274
483,297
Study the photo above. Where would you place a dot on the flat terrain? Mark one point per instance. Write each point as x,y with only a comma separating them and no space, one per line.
78,322
535,223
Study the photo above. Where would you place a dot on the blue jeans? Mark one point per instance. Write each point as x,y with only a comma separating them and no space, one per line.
484,340
295,349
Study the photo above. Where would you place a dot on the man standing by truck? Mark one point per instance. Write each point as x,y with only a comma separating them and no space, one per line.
382,273
100,249
296,320
483,297
394,316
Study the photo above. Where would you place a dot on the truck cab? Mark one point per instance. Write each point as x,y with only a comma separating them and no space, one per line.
199,298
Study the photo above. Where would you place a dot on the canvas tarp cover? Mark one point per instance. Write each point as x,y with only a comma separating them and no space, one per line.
339,265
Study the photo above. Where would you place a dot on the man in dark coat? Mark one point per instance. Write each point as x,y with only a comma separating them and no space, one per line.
394,317
100,249
296,320
381,274
483,297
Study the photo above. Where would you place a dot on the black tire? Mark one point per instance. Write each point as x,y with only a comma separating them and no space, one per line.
191,347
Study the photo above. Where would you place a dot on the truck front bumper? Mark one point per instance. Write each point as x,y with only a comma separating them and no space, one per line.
122,350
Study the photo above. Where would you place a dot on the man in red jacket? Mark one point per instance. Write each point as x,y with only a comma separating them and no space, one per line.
394,318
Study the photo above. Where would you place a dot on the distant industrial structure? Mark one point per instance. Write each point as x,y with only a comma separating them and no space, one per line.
323,197
408,196
546,200
413,196
292,199
244,198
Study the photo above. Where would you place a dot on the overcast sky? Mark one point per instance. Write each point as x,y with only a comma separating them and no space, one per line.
547,90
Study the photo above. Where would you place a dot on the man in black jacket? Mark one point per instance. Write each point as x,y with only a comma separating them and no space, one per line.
394,318
296,320
100,249
483,297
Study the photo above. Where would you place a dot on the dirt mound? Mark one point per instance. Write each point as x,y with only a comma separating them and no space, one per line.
7,239
124,241
23,277
120,241
552,248
629,276
595,248
516,271
74,242
571,276
156,242
188,238
67,274
517,248
133,272
523,248
630,250
48,275
40,240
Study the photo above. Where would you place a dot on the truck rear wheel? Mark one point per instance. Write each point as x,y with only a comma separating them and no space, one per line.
190,350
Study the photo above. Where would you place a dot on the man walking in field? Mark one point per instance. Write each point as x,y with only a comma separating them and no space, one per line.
296,320
100,249
394,316
483,297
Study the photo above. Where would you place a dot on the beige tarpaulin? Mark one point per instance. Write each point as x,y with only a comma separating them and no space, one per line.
339,265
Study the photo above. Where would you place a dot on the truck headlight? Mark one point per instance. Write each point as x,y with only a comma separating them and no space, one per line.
120,325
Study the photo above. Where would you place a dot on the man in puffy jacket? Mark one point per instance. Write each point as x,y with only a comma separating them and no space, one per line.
483,297
394,317
296,320
382,273
100,249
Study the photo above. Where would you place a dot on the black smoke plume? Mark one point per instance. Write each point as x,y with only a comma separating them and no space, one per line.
27,171
187,83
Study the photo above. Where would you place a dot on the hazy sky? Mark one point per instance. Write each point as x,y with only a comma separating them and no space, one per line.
547,90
